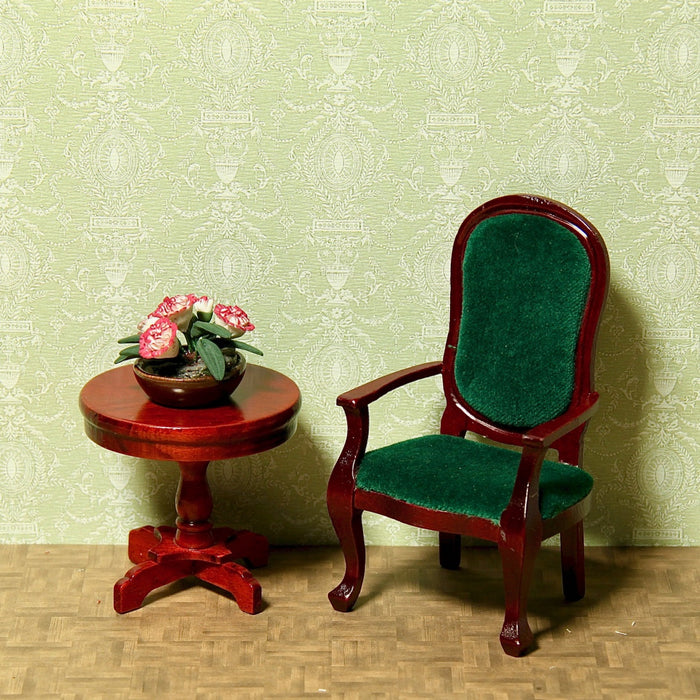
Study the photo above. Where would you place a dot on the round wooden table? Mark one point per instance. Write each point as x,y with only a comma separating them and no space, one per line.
259,415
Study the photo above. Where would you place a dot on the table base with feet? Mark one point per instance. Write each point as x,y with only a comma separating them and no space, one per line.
160,560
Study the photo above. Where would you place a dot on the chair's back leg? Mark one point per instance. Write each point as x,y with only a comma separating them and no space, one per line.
450,550
572,562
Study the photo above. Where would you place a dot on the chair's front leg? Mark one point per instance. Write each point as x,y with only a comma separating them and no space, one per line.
518,556
348,527
346,519
520,541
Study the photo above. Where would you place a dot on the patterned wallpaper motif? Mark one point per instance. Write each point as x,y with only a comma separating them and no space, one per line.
311,160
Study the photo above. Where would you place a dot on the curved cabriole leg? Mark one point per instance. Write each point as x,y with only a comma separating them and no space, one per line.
346,519
238,581
348,526
450,550
572,563
140,580
518,560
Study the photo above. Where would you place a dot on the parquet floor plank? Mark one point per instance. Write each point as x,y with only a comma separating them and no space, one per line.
418,631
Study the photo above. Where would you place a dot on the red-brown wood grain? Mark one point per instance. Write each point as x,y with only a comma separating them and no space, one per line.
521,528
258,416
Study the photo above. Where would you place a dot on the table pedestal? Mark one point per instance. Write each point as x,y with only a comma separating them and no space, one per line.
193,548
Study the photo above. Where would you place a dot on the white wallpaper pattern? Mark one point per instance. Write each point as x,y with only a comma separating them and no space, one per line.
311,160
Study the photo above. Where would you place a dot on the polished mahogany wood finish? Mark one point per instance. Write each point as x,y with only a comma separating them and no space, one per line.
260,415
521,528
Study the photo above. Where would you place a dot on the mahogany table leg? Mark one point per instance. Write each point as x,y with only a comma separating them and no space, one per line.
139,581
238,581
249,546
141,541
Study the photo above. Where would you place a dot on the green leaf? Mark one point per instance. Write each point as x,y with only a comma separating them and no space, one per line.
244,346
130,338
127,354
131,351
213,358
200,327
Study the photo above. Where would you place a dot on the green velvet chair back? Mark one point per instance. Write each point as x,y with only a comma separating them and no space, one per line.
518,352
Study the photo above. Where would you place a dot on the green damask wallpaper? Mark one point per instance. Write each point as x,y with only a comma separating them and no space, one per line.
311,160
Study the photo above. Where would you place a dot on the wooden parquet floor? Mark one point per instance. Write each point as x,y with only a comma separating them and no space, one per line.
418,631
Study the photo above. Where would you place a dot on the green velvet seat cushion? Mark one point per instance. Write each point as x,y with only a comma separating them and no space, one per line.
447,473
526,281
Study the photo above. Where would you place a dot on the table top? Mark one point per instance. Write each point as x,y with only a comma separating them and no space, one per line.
260,414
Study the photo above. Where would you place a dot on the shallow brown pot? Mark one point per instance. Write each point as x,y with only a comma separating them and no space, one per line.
194,392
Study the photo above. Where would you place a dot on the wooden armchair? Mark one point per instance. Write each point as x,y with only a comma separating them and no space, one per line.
529,278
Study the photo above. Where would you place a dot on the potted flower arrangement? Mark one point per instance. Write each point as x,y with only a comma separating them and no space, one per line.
187,351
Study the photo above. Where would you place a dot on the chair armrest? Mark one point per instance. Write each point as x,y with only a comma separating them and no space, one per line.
545,434
371,391
522,513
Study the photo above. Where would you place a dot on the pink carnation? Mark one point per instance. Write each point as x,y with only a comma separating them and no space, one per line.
159,340
233,318
146,322
178,309
203,305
